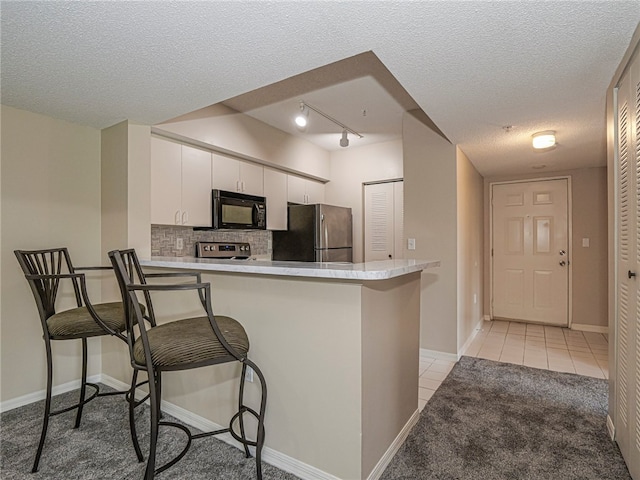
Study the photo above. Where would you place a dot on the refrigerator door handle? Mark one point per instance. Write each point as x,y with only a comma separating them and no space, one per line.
325,230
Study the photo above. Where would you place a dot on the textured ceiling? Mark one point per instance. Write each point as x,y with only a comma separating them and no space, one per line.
471,66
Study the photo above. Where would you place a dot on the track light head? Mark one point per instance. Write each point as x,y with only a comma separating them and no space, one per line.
303,117
344,141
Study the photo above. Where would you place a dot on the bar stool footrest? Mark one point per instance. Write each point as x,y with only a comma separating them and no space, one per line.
95,394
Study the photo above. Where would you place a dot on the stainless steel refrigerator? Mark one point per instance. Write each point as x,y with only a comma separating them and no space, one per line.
317,233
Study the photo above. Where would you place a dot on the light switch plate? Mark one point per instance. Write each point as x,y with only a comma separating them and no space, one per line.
411,243
585,242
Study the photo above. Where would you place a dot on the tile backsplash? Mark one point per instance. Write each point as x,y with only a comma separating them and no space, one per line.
164,239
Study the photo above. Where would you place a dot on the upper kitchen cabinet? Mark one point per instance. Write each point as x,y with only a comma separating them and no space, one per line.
237,176
180,184
303,190
275,190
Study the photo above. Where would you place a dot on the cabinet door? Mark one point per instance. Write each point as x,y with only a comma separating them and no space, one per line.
275,189
196,187
251,178
166,184
226,173
296,189
315,191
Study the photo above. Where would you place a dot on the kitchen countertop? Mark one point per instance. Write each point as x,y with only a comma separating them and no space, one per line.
379,270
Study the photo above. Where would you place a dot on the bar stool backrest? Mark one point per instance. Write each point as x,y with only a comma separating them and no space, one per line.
129,272
43,270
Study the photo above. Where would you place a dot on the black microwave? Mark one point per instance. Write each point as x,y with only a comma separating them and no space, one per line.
232,210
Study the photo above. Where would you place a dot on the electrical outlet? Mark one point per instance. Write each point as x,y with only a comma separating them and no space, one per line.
411,243
248,375
179,244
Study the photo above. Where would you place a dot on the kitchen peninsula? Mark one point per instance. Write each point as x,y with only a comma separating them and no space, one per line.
338,345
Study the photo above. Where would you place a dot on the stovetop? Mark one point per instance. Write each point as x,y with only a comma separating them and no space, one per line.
228,250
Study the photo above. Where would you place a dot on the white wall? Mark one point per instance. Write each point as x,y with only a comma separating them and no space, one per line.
350,168
50,198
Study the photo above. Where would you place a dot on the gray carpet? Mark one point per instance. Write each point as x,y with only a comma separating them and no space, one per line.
487,421
495,421
101,448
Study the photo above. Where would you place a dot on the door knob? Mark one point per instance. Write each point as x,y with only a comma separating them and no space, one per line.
390,256
562,252
631,274
562,263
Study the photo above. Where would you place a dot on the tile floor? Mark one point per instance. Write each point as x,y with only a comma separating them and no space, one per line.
538,346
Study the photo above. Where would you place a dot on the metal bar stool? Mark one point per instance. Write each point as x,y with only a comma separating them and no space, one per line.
44,270
181,345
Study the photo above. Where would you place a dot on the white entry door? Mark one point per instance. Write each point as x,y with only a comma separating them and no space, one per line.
531,251
383,221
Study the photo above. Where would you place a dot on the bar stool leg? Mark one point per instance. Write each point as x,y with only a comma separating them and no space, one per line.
240,406
47,405
153,440
261,432
83,386
132,420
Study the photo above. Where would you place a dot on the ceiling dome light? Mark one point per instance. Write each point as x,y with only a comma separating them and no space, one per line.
545,139
302,119
344,141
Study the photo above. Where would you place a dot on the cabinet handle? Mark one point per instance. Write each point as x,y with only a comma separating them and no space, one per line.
176,217
185,217
631,274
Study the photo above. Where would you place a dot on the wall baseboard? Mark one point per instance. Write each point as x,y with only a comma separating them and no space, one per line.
487,318
611,428
41,394
378,470
450,357
471,338
589,328
269,455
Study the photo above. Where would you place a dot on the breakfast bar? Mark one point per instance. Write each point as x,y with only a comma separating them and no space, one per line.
338,345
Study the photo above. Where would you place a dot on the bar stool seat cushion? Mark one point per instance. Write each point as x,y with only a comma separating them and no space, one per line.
78,321
191,340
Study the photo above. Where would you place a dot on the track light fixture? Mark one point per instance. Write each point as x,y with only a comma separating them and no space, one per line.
302,118
344,141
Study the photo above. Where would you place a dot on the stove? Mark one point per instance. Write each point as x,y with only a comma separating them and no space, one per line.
222,250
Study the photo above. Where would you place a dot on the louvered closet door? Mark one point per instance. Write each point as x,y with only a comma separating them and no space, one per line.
383,221
628,259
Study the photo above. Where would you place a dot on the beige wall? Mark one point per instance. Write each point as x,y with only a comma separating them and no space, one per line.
470,223
50,198
589,268
350,168
430,209
226,128
126,217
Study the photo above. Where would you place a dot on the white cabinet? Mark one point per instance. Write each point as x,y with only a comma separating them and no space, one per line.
303,190
180,184
275,190
237,176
